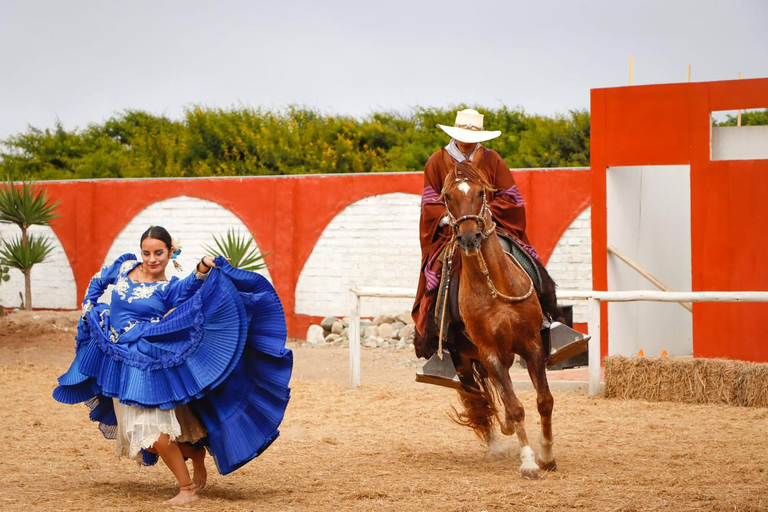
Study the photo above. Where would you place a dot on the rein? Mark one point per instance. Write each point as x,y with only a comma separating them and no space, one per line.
480,219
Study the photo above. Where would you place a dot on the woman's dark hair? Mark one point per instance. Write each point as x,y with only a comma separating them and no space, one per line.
158,233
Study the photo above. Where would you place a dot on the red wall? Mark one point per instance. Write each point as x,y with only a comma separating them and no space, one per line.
286,215
670,125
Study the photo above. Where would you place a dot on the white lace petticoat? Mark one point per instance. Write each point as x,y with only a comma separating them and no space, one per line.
139,428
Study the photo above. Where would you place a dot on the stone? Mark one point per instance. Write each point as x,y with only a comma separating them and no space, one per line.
385,330
407,332
383,319
331,338
405,317
381,342
315,335
337,327
370,343
364,324
345,332
370,332
398,325
327,322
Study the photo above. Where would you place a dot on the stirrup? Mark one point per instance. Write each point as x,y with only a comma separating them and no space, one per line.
566,343
440,372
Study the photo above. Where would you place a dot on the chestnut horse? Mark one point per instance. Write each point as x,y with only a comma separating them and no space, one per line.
502,317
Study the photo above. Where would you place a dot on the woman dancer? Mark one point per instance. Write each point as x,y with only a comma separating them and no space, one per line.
172,367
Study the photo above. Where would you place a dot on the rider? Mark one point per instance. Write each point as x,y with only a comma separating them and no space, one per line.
507,209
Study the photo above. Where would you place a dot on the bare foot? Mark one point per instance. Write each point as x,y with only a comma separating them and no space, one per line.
185,497
200,476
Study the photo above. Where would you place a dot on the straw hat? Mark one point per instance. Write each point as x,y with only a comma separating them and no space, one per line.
469,127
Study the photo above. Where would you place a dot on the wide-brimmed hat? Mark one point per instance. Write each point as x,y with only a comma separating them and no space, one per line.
469,127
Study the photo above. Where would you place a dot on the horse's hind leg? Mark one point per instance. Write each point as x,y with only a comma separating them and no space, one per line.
544,402
514,417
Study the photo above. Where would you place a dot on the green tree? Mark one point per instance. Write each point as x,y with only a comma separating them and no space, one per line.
25,206
754,118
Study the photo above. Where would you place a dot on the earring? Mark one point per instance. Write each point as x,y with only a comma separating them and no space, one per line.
177,266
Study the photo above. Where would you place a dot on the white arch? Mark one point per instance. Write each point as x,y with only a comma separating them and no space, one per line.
571,262
373,242
190,219
53,282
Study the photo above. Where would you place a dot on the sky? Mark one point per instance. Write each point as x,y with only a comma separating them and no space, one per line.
84,61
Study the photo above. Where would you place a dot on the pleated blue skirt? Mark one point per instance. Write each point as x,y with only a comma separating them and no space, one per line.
222,352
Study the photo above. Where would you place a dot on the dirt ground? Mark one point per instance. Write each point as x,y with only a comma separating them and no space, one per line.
388,445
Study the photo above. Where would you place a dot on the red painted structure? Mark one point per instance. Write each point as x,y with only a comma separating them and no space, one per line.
286,215
670,125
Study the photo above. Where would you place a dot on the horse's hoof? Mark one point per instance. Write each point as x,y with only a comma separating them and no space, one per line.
548,466
529,473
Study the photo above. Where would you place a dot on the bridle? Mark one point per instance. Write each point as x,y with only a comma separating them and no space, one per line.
480,219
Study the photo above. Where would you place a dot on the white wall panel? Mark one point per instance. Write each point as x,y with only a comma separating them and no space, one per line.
649,221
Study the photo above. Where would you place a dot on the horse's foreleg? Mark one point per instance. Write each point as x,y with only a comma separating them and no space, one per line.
544,402
514,418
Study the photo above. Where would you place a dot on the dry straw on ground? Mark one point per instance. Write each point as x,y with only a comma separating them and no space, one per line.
387,446
688,380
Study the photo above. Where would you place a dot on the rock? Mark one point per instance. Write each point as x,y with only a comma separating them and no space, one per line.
370,343
381,342
364,324
332,338
344,321
407,332
398,325
383,319
327,322
405,317
315,335
385,330
370,332
345,333
337,327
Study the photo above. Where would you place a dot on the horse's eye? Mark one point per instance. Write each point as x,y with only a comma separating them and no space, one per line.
447,198
481,193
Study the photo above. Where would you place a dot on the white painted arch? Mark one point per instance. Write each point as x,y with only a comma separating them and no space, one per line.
190,219
372,242
53,282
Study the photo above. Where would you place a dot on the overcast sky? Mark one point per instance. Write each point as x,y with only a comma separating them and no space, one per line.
84,61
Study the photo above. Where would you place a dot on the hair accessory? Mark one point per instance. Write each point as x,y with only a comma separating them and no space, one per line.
175,248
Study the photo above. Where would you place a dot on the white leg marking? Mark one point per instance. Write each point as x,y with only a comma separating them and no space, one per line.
529,459
546,454
464,187
496,449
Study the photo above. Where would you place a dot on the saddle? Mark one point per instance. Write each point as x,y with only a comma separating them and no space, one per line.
447,306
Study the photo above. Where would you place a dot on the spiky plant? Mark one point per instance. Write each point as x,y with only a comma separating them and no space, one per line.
240,249
25,206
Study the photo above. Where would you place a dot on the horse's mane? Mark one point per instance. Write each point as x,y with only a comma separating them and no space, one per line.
465,170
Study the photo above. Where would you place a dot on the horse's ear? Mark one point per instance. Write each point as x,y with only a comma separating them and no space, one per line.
477,158
447,160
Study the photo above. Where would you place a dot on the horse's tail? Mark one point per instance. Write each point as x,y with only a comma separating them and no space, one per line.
478,401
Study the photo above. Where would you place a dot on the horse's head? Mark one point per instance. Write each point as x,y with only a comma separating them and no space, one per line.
464,193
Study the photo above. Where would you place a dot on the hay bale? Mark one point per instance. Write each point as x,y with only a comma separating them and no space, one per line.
688,380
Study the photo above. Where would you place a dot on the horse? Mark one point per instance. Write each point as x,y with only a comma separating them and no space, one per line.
501,315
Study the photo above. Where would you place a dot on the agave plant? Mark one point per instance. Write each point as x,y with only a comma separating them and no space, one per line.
240,249
24,256
25,206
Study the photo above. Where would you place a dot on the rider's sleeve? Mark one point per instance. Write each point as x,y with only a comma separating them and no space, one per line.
507,205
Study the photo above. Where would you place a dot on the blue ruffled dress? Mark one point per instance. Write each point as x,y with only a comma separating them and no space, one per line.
216,344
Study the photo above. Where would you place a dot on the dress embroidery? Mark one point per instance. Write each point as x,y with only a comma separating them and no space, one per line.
127,266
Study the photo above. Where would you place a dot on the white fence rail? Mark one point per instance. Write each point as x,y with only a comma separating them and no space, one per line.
594,298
